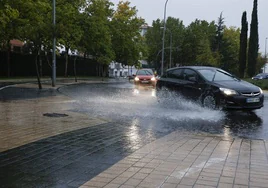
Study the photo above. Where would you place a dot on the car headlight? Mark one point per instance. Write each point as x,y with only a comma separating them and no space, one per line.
136,79
153,79
228,92
261,91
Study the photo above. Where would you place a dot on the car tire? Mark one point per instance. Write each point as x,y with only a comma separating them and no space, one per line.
209,101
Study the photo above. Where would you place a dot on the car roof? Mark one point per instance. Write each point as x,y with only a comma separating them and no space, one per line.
145,69
197,67
262,73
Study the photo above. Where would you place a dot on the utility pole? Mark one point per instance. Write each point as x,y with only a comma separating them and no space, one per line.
265,55
170,52
54,46
163,40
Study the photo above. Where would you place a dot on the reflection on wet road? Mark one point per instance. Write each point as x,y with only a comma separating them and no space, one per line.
139,107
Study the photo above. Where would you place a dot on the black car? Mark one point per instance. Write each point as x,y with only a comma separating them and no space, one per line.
213,87
260,76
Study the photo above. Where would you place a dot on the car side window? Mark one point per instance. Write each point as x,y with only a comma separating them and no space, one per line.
177,73
190,75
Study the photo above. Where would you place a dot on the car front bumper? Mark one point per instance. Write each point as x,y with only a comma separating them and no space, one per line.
242,103
145,82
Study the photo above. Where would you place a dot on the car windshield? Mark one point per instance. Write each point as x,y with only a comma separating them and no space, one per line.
217,75
145,72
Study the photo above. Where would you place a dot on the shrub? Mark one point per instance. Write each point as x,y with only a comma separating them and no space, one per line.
263,84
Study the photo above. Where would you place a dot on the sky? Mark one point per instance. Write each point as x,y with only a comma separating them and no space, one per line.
189,10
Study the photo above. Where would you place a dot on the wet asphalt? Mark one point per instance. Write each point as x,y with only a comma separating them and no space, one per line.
136,119
126,103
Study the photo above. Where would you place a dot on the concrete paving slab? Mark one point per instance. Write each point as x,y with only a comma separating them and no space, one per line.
193,161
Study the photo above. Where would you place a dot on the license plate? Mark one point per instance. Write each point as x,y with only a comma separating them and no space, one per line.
144,82
253,100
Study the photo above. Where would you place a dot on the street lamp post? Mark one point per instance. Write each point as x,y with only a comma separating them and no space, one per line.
170,46
163,39
265,55
54,46
170,52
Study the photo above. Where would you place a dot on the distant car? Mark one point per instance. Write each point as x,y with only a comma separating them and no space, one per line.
145,77
260,76
214,88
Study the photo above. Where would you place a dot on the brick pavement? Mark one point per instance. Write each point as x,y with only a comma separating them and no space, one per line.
23,121
176,160
179,160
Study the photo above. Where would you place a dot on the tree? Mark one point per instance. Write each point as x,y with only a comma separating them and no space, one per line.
230,49
204,53
68,26
219,40
37,29
154,41
126,38
176,27
243,46
219,32
10,22
97,39
195,33
253,41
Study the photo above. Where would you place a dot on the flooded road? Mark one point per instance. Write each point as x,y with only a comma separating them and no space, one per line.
138,107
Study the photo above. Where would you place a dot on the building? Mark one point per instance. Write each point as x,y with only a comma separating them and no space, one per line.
144,29
16,45
118,70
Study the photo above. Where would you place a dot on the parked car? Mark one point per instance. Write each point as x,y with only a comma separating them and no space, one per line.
145,77
213,87
260,76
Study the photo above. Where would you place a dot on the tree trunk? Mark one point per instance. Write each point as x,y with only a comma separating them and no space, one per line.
102,72
37,70
66,62
8,59
75,69
40,62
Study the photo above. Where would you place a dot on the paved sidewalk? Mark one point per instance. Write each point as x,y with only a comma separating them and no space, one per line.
180,160
23,121
176,160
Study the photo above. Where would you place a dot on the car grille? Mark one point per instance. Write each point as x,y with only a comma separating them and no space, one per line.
145,79
251,94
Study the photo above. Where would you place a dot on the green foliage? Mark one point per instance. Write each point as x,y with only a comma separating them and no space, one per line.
230,49
195,34
204,53
97,35
253,42
154,43
219,32
263,84
69,31
126,39
243,46
9,20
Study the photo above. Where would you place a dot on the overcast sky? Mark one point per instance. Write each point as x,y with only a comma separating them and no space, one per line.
189,10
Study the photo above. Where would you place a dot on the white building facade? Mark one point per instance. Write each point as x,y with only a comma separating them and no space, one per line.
118,70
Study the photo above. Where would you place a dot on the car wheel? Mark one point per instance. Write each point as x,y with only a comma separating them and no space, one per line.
209,101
